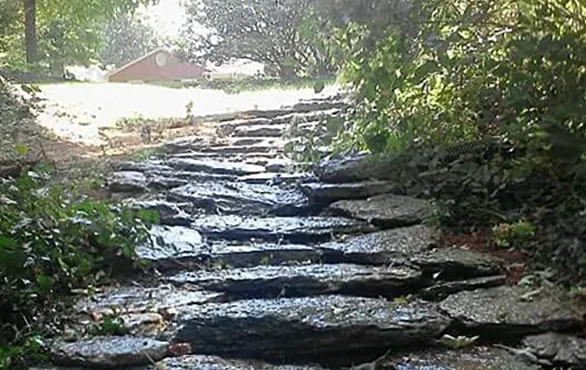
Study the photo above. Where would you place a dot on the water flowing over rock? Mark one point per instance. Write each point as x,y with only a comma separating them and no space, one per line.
110,352
511,311
379,248
561,349
297,328
386,211
230,198
293,229
480,358
334,192
218,363
225,168
254,254
132,299
305,280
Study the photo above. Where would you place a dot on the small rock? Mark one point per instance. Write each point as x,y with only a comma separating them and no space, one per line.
110,352
385,211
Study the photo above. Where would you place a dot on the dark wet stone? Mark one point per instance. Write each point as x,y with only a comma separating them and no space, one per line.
267,177
141,166
241,149
164,182
298,328
111,352
127,182
457,263
387,210
443,289
355,169
508,311
305,280
278,165
293,229
170,243
212,166
253,254
259,131
197,176
381,247
132,299
475,358
334,192
202,362
239,197
247,141
561,349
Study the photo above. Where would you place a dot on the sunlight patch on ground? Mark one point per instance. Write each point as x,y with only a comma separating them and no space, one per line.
75,111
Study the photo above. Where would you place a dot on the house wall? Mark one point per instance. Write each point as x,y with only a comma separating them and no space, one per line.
148,70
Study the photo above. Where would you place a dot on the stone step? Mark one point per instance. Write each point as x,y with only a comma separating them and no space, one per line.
294,329
305,280
212,166
293,229
385,211
329,193
242,198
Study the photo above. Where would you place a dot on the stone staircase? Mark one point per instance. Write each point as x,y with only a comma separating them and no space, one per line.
259,269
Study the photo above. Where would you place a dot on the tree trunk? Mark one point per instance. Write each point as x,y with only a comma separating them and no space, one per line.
30,30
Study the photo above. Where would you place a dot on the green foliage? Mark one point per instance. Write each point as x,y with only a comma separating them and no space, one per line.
51,242
516,235
289,36
126,38
446,72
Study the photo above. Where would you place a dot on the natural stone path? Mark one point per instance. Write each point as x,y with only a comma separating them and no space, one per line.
263,269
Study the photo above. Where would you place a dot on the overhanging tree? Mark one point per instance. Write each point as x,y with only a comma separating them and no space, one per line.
287,36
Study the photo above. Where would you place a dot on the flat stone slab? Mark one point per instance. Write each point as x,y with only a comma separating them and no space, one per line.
217,167
202,362
560,349
110,352
141,166
381,247
457,263
242,198
259,131
281,178
305,280
443,289
293,229
387,210
170,214
172,242
476,358
333,192
355,169
306,327
509,311
127,182
253,254
131,299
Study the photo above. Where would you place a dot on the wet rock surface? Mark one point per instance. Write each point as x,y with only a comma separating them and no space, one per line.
217,363
480,358
109,352
296,328
243,268
387,211
334,192
381,247
511,311
560,349
294,229
305,280
231,198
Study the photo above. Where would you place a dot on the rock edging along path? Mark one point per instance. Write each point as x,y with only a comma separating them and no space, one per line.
260,269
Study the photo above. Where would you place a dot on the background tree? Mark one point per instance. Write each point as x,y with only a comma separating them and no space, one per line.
287,36
127,37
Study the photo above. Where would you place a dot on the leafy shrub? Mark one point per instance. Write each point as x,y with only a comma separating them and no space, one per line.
52,241
517,234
